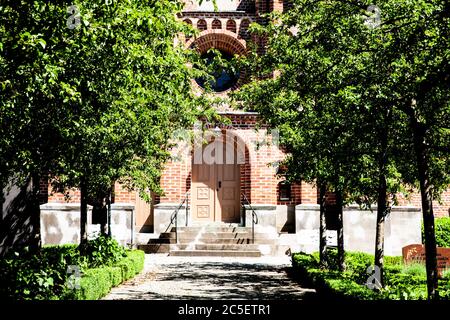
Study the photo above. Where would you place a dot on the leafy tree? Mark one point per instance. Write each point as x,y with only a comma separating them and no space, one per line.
96,102
364,109
417,52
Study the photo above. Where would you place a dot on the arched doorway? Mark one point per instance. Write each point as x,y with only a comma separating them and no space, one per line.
215,189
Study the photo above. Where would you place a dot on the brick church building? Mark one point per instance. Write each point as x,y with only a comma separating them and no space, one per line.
243,181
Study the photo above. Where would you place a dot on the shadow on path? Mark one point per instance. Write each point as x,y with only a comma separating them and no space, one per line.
213,280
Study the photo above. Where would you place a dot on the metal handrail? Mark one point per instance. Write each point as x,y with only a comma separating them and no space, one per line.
174,216
254,216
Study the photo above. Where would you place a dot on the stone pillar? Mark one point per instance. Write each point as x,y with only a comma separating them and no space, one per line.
277,5
267,217
360,229
163,213
122,223
307,222
405,228
402,227
60,223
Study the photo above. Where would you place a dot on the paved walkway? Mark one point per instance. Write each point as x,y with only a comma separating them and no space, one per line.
173,278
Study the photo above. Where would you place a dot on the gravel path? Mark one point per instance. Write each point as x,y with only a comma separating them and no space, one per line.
170,278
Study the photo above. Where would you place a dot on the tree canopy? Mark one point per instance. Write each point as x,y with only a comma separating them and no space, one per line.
361,100
91,92
97,100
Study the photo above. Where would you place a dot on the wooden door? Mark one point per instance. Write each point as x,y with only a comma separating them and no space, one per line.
215,189
228,182
228,204
144,215
203,192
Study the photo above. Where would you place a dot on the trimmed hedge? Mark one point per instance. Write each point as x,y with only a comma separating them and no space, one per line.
132,265
442,229
329,283
402,282
45,275
97,282
116,275
41,276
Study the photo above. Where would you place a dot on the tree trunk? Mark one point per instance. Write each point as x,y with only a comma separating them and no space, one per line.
108,219
340,231
104,224
35,219
381,216
382,207
323,226
427,206
83,214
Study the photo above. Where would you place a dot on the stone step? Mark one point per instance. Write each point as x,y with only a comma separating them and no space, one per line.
167,235
220,246
154,248
211,241
201,224
144,237
210,235
213,229
271,250
214,253
227,241
161,240
223,235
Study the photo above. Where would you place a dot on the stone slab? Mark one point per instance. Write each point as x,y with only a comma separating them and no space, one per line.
415,253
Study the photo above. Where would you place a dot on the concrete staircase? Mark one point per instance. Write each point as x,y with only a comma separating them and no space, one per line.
219,240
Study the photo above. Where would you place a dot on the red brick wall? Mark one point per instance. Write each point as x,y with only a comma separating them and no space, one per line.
308,193
122,195
175,180
73,196
242,5
440,209
43,191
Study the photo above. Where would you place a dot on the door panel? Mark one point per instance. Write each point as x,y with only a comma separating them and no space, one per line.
228,192
202,192
144,215
215,189
228,183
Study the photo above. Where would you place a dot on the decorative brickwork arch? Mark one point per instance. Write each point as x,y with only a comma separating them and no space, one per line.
219,39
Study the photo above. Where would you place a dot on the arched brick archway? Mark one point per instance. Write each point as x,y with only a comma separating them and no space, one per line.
222,40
